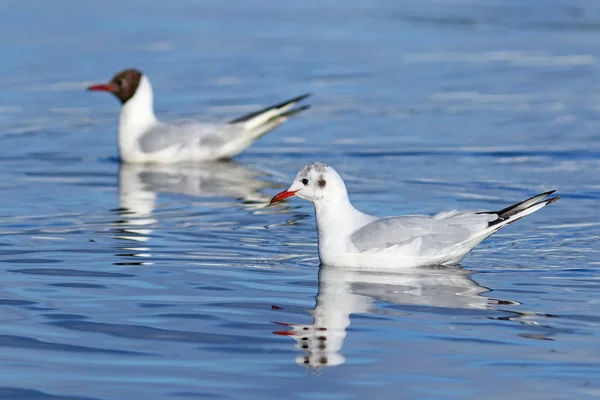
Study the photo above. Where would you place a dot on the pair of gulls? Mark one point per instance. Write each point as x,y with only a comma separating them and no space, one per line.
347,237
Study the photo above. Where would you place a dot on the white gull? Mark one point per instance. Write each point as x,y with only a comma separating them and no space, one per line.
350,238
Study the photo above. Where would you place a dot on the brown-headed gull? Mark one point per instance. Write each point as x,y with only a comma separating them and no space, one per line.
350,238
145,139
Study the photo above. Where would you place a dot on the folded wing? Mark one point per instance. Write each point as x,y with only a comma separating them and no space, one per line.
436,232
423,235
219,140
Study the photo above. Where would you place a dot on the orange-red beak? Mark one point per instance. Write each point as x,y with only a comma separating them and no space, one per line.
105,87
282,196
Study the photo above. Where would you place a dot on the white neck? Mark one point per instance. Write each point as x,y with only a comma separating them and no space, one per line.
337,219
137,116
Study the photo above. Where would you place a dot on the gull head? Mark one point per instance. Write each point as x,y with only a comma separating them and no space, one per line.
123,85
315,182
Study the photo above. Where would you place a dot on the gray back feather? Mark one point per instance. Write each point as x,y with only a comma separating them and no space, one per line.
188,134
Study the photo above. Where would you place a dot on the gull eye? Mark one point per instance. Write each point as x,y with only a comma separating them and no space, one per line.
122,82
305,181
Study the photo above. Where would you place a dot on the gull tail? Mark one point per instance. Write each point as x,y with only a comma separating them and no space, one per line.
517,211
262,121
503,217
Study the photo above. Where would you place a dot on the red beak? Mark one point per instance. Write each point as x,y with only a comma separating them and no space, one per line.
105,87
282,196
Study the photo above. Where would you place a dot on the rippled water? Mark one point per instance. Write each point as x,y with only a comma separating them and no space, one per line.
122,282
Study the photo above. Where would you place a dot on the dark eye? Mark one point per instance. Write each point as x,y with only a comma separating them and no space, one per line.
122,82
305,181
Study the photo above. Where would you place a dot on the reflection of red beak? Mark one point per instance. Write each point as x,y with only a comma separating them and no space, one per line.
105,87
282,196
284,333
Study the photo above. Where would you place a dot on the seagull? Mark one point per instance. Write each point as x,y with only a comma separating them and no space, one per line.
350,238
145,139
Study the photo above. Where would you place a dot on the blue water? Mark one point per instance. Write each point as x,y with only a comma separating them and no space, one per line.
125,282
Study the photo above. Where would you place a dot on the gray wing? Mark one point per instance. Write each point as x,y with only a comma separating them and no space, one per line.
188,134
441,230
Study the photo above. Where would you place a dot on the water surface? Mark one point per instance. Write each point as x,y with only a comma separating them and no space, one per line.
154,282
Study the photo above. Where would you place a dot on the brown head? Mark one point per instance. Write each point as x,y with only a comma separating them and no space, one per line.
123,85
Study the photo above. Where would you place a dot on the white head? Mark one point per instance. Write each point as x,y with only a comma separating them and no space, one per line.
316,182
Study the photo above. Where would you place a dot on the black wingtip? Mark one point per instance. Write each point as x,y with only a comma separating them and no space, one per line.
552,199
509,211
302,97
290,101
505,213
248,117
293,111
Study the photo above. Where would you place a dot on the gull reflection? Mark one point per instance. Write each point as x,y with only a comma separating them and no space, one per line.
141,184
343,292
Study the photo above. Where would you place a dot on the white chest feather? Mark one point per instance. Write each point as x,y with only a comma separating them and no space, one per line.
137,116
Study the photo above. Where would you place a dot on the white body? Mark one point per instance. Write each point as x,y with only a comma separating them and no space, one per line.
397,242
422,243
350,238
144,139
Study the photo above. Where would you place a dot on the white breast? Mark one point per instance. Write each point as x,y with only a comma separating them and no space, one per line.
137,117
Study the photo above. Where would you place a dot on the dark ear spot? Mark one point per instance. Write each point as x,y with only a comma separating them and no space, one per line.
322,182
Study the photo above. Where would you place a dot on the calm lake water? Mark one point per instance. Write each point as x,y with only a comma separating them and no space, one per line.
148,282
